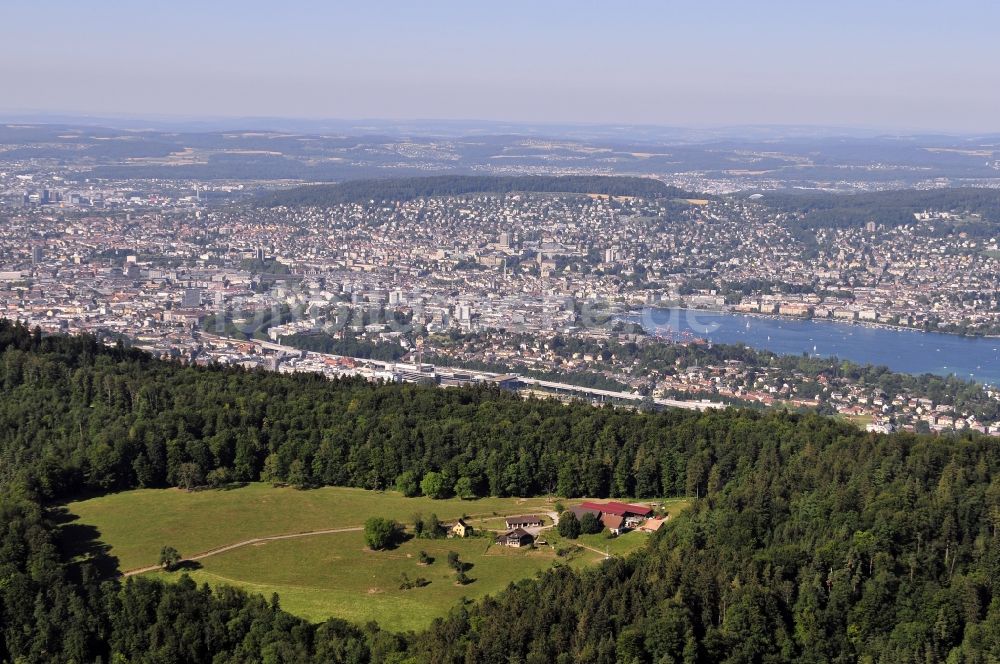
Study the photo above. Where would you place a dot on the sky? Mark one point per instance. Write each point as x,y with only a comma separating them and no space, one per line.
877,64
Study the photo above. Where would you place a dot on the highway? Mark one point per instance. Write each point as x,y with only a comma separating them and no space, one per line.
608,394
523,380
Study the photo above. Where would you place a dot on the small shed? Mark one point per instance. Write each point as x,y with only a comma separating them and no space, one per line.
652,525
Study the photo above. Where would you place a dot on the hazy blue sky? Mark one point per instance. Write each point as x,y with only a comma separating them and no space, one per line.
887,64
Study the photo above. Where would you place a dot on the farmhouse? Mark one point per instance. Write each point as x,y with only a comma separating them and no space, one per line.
524,521
460,529
614,523
517,538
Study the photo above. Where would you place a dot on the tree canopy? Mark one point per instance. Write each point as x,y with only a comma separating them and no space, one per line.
169,557
807,539
380,533
891,208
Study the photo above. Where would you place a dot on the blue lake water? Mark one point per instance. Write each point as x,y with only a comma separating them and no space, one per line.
908,351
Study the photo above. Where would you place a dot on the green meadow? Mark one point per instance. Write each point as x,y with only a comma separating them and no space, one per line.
324,575
137,524
337,575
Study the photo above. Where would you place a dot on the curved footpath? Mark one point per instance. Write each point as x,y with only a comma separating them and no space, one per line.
237,545
270,538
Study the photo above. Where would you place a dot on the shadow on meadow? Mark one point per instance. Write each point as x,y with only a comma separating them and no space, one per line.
82,545
186,566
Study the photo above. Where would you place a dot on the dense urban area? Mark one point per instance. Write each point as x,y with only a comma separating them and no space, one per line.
537,278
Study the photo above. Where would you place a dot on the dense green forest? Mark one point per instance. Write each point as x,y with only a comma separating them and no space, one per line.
807,541
404,189
891,208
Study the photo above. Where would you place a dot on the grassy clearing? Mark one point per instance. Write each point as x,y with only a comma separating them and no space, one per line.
860,421
600,544
674,506
136,524
336,575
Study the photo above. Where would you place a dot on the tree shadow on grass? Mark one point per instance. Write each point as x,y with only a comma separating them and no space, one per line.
81,546
465,566
399,536
186,566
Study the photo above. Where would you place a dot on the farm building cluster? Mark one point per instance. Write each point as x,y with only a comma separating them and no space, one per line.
620,517
616,517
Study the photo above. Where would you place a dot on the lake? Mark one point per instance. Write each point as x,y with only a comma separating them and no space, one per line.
908,351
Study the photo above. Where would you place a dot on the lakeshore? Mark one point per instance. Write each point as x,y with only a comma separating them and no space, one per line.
900,349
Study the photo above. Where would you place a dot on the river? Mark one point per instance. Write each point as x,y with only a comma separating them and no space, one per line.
907,351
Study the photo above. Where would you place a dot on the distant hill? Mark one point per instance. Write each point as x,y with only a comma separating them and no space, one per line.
404,189
891,208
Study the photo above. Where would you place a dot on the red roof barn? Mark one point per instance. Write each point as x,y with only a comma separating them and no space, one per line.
619,509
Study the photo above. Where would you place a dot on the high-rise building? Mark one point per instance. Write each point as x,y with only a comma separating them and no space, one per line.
192,298
37,254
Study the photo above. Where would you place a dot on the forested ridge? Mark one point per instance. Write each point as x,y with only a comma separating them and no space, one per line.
808,541
892,208
404,189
